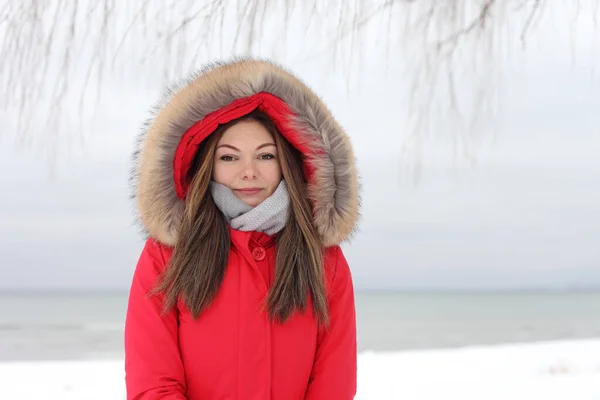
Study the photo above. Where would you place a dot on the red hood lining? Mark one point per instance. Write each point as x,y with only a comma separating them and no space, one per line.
274,107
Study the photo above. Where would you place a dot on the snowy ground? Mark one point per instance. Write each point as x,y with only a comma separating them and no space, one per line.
568,370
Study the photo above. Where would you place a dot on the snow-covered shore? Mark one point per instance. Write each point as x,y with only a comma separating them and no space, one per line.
551,370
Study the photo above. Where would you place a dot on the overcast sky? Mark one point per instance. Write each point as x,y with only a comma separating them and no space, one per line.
527,214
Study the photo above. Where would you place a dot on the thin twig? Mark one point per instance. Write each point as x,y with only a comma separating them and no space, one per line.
478,22
532,13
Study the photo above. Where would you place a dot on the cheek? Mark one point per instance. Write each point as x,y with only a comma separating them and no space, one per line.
273,174
220,174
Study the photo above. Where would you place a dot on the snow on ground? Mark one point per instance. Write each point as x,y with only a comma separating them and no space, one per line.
566,370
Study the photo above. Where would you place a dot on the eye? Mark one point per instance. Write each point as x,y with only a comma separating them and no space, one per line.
266,156
227,158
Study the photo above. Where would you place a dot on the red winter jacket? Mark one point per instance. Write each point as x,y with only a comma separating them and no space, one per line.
233,351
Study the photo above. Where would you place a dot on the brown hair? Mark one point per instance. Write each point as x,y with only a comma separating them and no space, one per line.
197,266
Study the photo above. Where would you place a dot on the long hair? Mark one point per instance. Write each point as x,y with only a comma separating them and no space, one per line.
197,266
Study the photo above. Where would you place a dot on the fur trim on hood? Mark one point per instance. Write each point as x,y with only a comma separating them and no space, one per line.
225,91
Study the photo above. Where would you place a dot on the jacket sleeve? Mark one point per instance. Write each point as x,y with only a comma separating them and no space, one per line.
153,367
333,375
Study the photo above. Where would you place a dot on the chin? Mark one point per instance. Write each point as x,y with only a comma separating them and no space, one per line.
252,202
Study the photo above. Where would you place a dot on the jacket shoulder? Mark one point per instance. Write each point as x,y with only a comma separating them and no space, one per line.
153,258
334,263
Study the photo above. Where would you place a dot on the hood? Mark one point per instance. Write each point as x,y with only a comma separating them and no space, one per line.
218,94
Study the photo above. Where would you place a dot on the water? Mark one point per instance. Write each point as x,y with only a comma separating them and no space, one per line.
67,326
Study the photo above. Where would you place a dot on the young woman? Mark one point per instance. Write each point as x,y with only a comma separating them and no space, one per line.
246,186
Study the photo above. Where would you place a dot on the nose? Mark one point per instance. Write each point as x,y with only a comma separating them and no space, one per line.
249,170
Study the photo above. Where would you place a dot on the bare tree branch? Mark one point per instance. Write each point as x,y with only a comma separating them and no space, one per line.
52,50
535,9
477,23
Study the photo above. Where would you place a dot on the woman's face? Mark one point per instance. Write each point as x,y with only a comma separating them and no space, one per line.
246,161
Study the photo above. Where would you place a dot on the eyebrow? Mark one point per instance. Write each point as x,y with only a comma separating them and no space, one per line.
228,146
265,145
238,150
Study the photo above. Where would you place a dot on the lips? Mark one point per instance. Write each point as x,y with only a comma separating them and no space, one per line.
249,191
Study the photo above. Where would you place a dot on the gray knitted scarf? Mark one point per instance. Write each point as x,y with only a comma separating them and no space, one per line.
269,216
